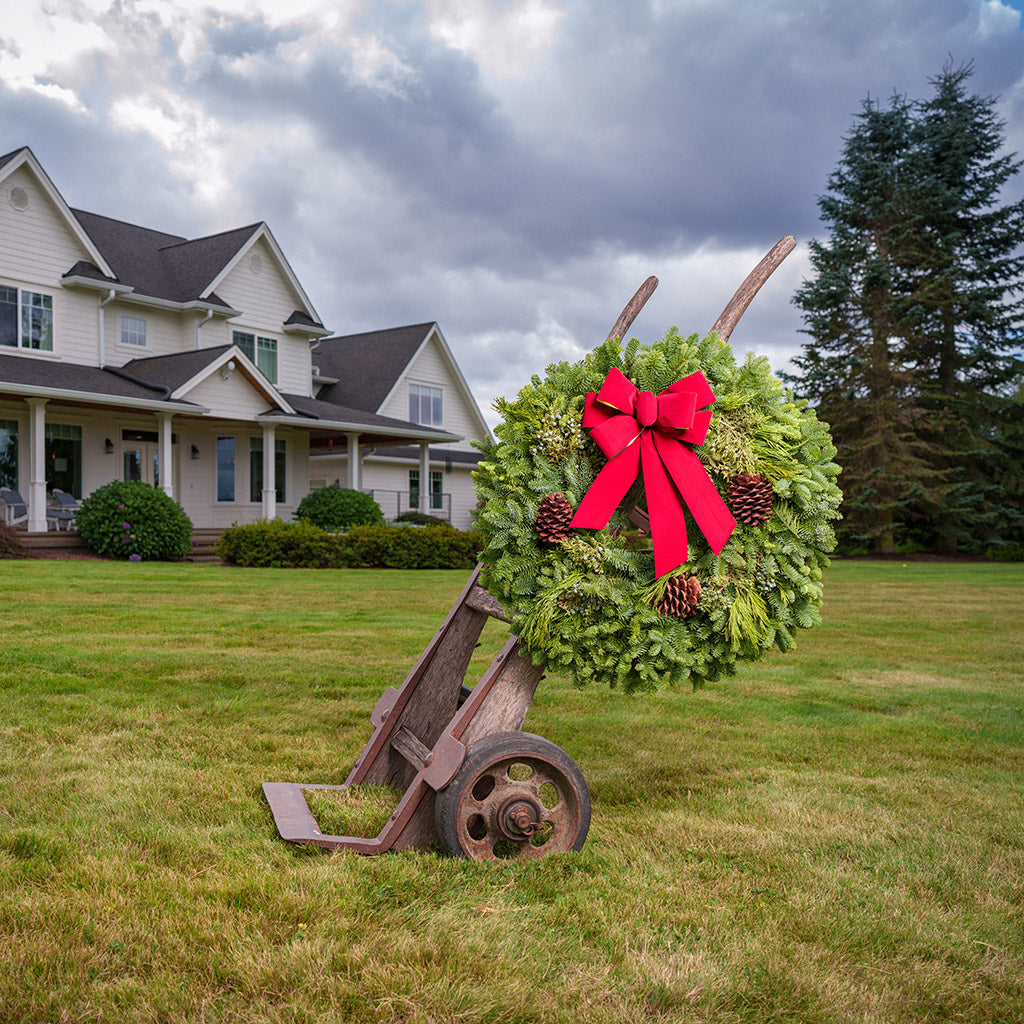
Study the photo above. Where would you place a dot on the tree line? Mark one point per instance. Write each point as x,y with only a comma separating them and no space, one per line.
915,317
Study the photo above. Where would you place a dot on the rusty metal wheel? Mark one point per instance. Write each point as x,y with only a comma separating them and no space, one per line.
517,796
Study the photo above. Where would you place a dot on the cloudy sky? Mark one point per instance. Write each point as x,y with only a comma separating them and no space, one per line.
513,169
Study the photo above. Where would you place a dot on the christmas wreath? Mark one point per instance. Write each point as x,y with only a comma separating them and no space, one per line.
657,513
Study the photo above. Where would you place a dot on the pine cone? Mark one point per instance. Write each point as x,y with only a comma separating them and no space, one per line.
681,597
750,498
553,518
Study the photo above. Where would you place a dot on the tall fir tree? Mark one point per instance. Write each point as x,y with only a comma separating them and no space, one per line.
914,315
855,310
969,264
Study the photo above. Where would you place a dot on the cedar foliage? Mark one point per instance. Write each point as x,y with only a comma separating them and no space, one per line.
914,316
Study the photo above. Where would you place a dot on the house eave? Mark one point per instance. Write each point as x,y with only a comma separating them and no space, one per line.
308,330
96,285
349,427
98,398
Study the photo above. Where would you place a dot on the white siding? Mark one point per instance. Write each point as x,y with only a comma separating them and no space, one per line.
198,493
430,367
36,244
167,332
390,481
266,300
234,398
36,248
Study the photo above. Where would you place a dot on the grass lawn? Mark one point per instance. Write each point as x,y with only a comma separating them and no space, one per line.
836,835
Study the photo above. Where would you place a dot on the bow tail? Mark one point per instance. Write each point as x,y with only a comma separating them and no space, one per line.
607,490
668,524
709,512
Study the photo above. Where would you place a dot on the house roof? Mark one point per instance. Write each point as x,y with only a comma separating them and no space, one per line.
160,265
157,265
367,365
152,382
172,371
372,426
409,452
20,374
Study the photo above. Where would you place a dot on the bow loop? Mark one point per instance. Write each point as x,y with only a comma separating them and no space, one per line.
667,426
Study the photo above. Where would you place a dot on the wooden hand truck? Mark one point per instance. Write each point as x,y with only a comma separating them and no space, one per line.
472,779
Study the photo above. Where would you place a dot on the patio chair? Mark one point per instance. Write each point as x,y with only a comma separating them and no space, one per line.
15,509
65,511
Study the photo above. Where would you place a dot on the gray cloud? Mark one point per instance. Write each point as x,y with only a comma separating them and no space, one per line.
406,183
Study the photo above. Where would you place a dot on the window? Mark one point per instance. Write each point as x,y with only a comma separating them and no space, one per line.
133,331
262,351
26,319
436,498
225,469
63,453
425,405
9,453
256,469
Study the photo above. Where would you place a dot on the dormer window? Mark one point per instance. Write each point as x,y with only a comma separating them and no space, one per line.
262,351
26,319
425,405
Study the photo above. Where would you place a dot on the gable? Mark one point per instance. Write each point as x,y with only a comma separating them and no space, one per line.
233,396
38,243
258,285
433,366
367,366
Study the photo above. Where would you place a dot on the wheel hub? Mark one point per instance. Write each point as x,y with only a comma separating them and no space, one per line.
519,818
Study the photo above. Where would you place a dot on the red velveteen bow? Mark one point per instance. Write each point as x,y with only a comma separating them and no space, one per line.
666,425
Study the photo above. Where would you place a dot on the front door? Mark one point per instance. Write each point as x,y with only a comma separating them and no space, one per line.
141,461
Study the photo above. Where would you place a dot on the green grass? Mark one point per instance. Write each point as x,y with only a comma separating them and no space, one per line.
832,836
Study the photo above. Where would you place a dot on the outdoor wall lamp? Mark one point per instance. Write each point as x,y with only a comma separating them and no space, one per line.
226,369
195,451
108,446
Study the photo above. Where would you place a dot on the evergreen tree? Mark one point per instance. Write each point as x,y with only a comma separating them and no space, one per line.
913,316
855,310
968,265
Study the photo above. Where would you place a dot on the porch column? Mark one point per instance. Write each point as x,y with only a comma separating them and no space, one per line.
355,463
425,478
166,466
37,465
269,472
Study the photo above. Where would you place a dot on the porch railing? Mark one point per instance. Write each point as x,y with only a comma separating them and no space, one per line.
394,503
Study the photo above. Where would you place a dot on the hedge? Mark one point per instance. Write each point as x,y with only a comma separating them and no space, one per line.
276,544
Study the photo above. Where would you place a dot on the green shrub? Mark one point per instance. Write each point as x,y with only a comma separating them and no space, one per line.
271,543
10,545
301,545
134,520
335,508
421,519
409,547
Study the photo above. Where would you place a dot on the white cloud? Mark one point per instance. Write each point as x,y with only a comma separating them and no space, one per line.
996,18
504,39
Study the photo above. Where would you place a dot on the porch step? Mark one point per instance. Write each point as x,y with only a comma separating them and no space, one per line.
64,542
203,541
67,543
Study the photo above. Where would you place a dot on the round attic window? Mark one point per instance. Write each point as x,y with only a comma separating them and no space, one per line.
18,197
256,263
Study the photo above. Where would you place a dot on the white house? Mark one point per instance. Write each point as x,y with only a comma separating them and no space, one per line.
410,373
128,353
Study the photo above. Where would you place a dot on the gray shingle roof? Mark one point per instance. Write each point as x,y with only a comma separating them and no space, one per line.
160,265
171,371
315,408
26,372
404,452
367,365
